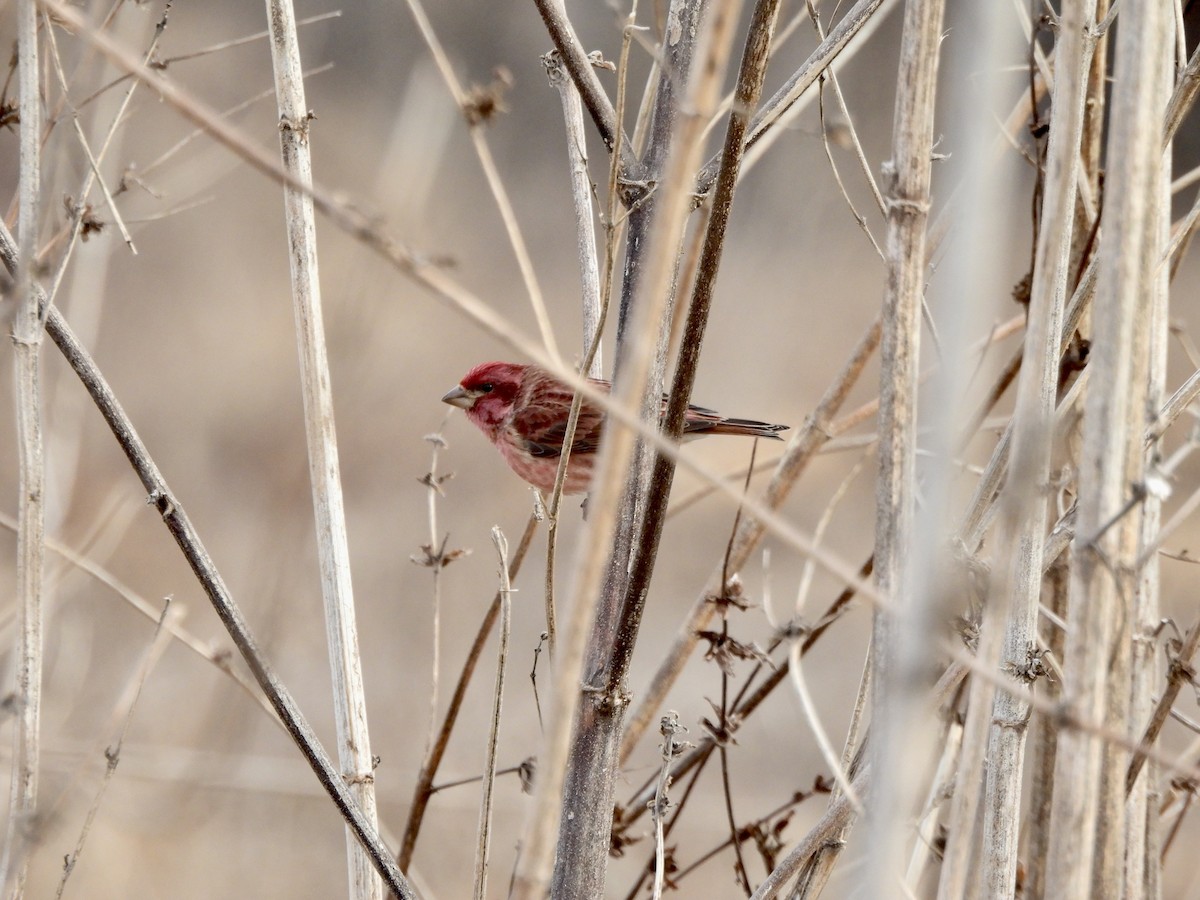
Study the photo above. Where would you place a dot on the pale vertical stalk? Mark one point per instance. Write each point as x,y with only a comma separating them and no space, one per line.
986,210
27,339
350,710
435,558
483,846
1087,852
897,638
1142,862
581,194
1001,718
593,305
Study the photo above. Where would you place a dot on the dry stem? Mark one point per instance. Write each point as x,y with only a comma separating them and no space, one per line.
1086,853
483,844
349,700
897,637
27,341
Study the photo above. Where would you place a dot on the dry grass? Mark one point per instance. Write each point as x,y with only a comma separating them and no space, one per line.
1029,589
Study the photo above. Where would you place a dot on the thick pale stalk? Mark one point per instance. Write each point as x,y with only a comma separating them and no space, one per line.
1142,859
27,339
1087,846
581,195
350,709
1023,510
897,645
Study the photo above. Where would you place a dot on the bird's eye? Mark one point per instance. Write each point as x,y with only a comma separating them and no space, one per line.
487,388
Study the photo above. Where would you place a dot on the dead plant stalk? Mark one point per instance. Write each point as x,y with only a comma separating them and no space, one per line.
349,699
1087,844
27,341
897,637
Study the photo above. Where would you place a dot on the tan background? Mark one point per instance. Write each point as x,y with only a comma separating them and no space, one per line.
195,335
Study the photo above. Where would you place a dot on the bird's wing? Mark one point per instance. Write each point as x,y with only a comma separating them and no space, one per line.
540,422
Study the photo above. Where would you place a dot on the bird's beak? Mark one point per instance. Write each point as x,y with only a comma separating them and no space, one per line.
460,397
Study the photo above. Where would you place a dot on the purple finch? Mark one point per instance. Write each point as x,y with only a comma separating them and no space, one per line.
523,411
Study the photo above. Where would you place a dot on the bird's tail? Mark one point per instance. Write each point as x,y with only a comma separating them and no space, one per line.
704,422
748,427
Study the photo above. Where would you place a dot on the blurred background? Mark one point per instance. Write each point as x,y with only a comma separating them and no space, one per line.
195,334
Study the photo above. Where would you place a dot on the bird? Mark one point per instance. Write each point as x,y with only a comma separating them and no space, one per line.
523,410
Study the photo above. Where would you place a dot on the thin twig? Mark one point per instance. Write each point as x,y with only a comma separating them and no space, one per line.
835,819
483,844
818,872
1183,397
749,700
168,154
852,31
207,51
1178,675
677,809
739,864
93,158
472,779
218,658
795,671
671,748
859,153
433,759
745,832
579,65
112,755
476,122
435,556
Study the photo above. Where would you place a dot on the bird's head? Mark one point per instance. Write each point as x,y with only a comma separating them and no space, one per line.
487,392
